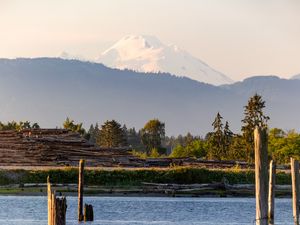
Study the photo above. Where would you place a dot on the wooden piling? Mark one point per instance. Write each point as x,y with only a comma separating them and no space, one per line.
80,190
295,189
88,213
60,209
53,208
49,192
261,175
57,207
271,198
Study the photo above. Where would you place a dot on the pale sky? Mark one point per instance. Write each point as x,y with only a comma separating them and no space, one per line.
240,38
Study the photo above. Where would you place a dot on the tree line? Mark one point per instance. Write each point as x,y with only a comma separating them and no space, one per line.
219,144
222,143
111,134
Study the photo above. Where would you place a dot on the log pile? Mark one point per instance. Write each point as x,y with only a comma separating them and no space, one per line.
60,147
214,164
197,188
57,147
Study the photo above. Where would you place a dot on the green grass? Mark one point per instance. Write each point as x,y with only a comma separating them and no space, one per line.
122,177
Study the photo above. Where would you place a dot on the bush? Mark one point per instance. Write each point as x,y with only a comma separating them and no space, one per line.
196,148
181,175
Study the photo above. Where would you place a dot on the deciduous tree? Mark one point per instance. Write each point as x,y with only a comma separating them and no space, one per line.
72,126
152,134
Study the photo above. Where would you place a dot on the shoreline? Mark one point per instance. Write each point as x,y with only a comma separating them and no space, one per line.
138,182
134,191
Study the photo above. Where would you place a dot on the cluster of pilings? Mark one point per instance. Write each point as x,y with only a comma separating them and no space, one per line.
264,189
57,206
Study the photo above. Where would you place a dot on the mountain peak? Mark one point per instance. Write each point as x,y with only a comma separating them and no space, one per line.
145,40
145,53
130,47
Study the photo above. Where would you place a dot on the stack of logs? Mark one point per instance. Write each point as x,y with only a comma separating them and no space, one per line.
55,147
60,147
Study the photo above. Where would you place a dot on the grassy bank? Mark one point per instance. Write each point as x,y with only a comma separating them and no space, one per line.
122,177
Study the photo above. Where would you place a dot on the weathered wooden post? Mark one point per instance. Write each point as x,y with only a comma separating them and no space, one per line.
261,175
53,208
49,192
80,190
295,189
60,209
57,207
88,213
271,200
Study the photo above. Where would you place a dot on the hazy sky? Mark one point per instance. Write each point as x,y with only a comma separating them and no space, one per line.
237,37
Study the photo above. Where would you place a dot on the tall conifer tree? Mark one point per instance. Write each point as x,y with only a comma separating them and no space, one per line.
254,116
217,138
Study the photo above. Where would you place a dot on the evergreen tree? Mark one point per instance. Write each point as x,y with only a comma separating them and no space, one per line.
188,138
111,135
236,150
228,135
217,139
180,140
124,128
134,139
35,126
93,133
254,116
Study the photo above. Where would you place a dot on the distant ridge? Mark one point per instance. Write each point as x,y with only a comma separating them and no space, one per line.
47,90
296,76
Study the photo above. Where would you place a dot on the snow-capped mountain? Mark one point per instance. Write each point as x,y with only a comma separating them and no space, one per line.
148,54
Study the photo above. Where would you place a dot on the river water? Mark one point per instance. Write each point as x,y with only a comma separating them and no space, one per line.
15,210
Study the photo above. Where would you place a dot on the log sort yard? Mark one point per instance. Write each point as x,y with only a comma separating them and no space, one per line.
57,147
60,147
30,155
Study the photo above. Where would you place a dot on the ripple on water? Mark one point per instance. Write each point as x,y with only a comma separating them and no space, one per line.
15,210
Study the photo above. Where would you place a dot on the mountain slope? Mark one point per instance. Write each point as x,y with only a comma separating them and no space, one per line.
296,77
281,96
148,54
47,90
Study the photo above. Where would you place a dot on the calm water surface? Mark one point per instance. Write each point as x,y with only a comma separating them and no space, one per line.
143,211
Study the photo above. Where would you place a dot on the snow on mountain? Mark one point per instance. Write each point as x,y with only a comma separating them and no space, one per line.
148,54
296,77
